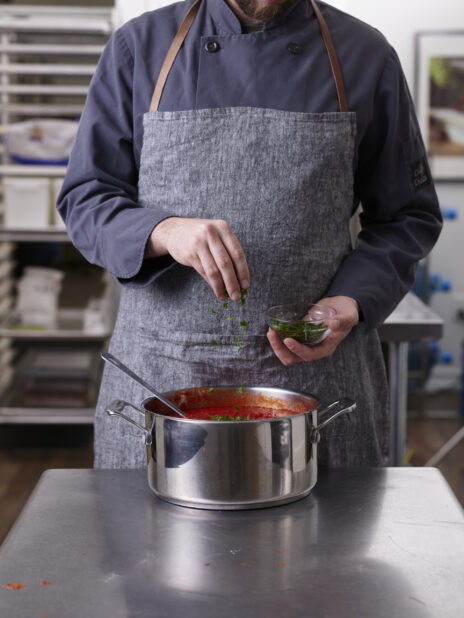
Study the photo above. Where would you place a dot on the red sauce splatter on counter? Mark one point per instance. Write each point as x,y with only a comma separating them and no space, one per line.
280,551
250,413
282,564
45,582
15,586
243,564
207,563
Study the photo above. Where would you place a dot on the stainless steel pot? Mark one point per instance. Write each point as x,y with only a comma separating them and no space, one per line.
229,465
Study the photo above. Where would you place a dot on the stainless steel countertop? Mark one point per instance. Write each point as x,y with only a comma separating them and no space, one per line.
412,320
374,543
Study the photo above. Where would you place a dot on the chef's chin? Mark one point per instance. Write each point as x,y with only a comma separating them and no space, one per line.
263,10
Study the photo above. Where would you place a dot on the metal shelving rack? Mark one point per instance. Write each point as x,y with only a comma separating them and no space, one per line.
47,57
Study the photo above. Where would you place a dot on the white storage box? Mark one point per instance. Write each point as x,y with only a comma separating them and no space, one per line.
38,290
27,202
41,141
57,221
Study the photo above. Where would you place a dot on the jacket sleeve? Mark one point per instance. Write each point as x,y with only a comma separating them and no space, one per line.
400,218
98,200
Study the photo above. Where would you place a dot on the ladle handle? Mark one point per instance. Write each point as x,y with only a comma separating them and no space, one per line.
109,358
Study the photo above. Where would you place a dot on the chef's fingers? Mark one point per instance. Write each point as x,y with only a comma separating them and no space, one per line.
198,266
209,270
340,328
289,351
229,257
236,253
311,353
226,269
282,352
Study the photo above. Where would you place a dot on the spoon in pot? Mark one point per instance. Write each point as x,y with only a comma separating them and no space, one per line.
109,358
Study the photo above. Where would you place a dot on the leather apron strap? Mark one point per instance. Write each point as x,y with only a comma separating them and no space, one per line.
172,53
336,70
185,27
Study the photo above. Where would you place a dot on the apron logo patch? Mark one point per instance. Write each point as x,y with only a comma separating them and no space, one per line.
419,175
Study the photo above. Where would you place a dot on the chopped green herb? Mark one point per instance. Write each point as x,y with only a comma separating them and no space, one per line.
302,331
238,335
246,373
236,408
228,417
210,390
243,293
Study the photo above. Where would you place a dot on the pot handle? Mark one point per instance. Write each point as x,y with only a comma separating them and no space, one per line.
116,407
339,407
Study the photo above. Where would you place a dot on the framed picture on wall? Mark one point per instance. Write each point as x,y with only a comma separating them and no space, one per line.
439,94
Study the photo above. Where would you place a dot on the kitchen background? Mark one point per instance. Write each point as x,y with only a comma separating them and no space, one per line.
56,311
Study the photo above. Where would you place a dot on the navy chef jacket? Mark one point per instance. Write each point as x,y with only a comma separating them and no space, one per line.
401,218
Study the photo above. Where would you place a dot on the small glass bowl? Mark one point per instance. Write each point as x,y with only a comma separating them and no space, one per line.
308,327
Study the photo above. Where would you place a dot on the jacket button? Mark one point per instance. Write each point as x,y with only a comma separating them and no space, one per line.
212,46
295,48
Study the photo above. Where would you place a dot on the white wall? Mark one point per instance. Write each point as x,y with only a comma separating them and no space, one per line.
399,20
126,9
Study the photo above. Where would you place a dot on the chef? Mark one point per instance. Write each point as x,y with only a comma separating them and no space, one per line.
224,146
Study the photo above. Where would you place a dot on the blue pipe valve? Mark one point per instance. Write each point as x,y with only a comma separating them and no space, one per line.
437,356
449,213
439,284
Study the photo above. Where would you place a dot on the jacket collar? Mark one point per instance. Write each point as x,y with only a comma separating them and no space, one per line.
227,21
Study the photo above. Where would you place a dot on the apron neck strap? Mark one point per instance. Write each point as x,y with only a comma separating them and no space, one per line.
172,53
185,27
335,65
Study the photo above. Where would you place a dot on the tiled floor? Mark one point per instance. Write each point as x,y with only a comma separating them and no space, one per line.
426,437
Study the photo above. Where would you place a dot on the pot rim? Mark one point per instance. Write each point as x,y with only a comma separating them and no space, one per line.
240,389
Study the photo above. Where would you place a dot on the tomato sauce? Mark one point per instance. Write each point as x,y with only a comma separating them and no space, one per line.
238,413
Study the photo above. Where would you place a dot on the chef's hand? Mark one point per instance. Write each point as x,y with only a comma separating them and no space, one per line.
290,351
207,245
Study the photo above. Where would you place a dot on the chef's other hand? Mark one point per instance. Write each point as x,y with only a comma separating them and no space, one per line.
207,245
290,351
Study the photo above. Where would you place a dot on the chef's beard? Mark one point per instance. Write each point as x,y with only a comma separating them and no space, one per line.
263,13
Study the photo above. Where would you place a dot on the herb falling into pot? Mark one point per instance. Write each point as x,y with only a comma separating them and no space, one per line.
238,329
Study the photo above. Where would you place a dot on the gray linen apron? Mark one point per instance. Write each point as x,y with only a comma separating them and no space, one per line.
284,182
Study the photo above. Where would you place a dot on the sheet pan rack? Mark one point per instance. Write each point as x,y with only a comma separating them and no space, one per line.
48,55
